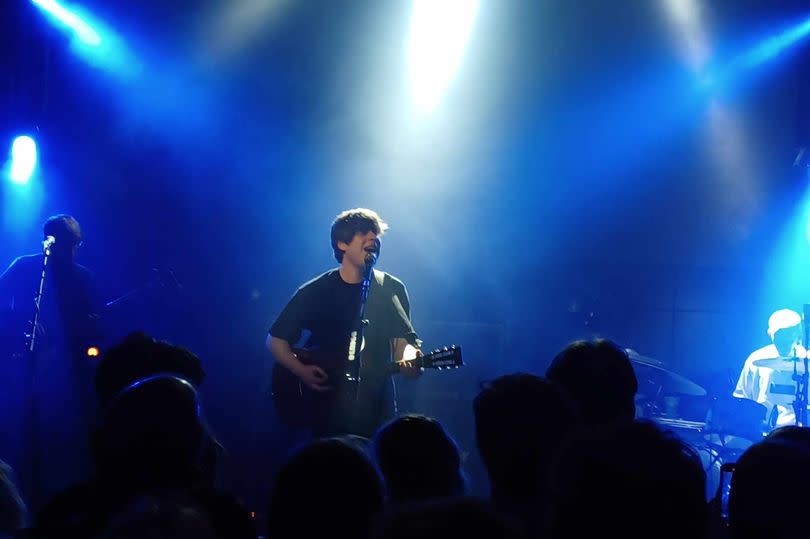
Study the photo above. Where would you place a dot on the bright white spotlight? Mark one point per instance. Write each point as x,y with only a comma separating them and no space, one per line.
438,35
70,20
687,19
23,159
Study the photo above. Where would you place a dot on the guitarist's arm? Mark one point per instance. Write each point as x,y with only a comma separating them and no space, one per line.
402,350
311,375
8,325
6,284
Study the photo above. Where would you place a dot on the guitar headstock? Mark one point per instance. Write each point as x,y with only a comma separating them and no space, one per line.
448,357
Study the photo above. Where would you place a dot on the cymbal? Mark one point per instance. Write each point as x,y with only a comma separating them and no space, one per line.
656,380
638,358
780,363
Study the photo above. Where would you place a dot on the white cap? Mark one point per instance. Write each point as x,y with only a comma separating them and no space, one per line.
783,319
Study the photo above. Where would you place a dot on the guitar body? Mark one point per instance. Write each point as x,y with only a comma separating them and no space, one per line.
298,406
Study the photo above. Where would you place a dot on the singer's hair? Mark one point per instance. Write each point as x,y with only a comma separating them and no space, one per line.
355,221
63,227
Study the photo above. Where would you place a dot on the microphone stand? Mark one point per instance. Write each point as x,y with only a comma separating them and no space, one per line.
32,337
800,404
31,365
804,395
356,337
800,401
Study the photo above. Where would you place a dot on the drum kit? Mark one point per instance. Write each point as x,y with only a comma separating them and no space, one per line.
723,426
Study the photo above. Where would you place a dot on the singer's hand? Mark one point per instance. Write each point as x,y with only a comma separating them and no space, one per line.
313,377
409,369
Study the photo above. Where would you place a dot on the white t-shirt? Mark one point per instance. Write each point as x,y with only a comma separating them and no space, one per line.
757,383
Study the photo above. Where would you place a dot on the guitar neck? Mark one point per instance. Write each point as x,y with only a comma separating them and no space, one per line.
446,358
421,362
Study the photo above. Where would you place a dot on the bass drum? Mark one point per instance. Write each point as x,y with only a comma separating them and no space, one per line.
712,461
692,434
732,420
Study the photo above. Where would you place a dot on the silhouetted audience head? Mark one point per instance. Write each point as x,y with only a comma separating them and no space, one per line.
791,433
443,519
599,377
328,488
227,514
628,480
12,508
520,422
418,460
769,488
154,517
139,356
150,435
89,511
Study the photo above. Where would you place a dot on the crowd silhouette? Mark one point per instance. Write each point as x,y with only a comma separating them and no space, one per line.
565,455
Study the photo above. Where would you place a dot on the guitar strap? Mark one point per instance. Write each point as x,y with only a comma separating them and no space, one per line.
379,277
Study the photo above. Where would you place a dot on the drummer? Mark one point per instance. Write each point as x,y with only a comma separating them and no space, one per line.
760,383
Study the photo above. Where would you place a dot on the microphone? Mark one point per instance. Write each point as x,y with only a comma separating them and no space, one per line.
370,260
47,244
372,255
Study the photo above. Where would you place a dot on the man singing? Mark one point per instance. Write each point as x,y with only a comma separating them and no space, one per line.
322,315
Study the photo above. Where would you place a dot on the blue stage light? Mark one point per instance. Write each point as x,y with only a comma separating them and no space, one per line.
765,51
23,159
773,46
70,20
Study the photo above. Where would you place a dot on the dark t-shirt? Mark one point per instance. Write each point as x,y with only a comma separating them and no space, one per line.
68,309
321,316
